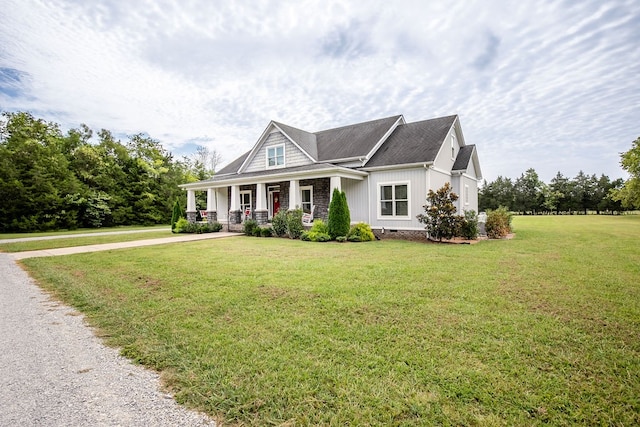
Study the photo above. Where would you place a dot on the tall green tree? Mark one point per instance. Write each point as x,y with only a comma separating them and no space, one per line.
440,219
339,220
629,194
39,190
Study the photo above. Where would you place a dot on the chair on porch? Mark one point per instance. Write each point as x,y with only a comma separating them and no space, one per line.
307,218
204,214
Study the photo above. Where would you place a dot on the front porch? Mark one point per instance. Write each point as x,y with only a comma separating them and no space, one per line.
232,204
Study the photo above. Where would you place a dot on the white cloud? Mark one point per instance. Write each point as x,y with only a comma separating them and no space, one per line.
547,85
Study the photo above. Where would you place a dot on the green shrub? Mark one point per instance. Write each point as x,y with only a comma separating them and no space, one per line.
339,217
279,223
354,238
249,226
181,225
319,226
266,232
294,223
362,231
323,237
214,227
257,232
305,236
469,225
315,236
341,239
498,223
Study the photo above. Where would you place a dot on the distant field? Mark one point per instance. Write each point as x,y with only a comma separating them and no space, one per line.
540,330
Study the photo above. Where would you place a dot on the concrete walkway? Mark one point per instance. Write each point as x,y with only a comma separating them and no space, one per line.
118,245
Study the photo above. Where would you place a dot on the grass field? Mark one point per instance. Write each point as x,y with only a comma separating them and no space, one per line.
542,329
80,231
82,241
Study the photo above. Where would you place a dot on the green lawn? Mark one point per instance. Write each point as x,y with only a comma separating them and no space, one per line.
542,329
82,241
80,231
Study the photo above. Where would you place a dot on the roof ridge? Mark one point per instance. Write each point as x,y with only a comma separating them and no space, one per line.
396,117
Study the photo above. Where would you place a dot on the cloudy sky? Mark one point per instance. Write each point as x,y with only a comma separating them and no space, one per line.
553,85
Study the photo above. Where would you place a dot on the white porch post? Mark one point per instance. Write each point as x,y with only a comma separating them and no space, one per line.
191,205
294,194
261,201
212,204
235,198
336,182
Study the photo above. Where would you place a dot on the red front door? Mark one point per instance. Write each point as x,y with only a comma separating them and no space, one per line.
276,202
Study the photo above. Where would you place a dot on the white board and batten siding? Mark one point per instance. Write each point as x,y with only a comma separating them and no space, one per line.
357,199
416,178
292,155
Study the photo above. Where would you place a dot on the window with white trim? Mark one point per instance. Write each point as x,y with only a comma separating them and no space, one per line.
275,156
307,198
394,200
245,201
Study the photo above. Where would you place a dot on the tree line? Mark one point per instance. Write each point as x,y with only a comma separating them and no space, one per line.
53,180
527,194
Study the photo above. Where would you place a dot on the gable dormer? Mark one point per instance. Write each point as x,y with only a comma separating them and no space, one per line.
276,149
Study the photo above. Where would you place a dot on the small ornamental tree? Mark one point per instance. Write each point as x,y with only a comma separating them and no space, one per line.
440,219
175,216
339,220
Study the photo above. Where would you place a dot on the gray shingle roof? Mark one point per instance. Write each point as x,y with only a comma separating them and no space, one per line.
306,140
463,158
413,143
233,166
352,141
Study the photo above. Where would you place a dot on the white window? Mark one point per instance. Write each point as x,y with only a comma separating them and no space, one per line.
394,200
245,203
307,198
275,156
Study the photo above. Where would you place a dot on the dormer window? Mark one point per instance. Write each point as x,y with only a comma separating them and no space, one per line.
275,156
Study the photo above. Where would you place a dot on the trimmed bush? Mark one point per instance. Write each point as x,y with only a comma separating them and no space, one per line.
294,223
175,216
248,226
181,225
339,216
279,223
363,231
469,225
341,239
214,227
266,232
257,232
498,223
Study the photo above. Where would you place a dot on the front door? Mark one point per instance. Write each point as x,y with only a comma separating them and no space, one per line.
276,202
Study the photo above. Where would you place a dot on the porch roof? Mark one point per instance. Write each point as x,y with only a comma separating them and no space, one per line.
315,170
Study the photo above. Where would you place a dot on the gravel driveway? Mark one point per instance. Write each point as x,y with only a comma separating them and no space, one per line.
55,372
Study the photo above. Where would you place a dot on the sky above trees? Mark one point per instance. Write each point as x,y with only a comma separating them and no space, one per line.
547,85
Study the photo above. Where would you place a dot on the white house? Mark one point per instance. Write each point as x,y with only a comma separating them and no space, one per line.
385,167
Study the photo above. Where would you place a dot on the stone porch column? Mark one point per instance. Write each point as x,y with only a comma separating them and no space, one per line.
191,206
261,213
294,194
212,206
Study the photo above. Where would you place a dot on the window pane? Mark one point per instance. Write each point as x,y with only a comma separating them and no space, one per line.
401,192
402,208
272,161
386,192
386,208
306,196
280,151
